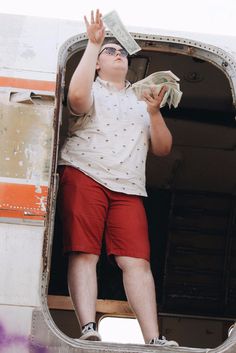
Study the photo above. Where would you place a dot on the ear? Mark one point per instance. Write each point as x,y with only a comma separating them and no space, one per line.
97,66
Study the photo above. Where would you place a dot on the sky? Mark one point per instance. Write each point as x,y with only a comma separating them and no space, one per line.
205,16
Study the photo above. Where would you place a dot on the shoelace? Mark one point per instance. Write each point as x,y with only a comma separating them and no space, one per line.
162,340
88,327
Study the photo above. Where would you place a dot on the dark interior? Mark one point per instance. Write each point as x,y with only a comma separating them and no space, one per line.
191,204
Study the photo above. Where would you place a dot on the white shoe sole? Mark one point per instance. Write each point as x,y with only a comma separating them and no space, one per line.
91,336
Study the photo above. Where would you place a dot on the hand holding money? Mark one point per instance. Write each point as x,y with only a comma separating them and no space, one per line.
159,79
154,98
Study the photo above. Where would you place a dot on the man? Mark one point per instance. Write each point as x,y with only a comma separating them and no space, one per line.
103,179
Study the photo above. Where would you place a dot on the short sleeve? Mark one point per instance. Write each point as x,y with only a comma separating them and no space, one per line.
71,112
78,121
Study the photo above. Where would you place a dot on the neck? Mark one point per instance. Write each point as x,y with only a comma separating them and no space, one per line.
117,81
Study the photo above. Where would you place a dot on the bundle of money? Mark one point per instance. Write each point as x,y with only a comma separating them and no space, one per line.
117,28
157,80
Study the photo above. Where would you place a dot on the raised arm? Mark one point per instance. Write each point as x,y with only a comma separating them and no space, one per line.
79,95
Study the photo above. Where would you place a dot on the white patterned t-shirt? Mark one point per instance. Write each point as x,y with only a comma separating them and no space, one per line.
110,143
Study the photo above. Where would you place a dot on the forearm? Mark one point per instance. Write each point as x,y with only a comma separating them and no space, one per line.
161,138
83,77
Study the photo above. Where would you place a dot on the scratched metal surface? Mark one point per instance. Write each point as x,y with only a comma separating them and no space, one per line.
46,335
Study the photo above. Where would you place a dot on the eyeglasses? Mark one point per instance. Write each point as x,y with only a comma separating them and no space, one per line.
112,51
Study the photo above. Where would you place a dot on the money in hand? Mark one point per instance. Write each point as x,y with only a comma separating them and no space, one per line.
117,28
158,80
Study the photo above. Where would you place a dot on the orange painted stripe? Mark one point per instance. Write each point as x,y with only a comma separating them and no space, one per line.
21,215
28,84
23,201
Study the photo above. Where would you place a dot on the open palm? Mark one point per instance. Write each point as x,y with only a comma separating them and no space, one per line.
95,28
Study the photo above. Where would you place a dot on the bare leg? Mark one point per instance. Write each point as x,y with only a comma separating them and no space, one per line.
82,283
140,291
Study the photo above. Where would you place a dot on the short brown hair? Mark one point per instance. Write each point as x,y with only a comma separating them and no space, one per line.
111,41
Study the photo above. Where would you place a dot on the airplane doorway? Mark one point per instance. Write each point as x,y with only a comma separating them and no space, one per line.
191,204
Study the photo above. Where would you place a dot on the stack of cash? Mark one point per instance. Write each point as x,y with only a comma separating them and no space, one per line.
157,80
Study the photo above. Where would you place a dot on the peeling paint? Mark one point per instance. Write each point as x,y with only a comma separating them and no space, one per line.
42,203
27,132
38,189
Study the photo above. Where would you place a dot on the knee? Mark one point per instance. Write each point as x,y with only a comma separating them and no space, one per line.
83,258
130,263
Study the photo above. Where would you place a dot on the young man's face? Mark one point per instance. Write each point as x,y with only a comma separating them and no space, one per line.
112,59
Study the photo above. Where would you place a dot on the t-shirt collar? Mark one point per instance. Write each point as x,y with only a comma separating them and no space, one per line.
109,84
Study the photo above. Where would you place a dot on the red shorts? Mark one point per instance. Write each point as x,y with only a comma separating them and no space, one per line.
89,210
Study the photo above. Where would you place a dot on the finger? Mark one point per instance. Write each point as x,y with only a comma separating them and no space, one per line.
92,17
155,92
145,99
148,98
162,92
100,20
103,31
86,21
146,93
164,89
97,16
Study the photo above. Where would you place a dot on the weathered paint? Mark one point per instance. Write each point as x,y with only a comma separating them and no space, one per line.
23,201
26,144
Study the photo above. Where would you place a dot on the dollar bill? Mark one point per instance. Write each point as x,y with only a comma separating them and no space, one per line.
157,80
117,28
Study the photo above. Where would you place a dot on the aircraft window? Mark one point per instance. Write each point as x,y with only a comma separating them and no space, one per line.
122,330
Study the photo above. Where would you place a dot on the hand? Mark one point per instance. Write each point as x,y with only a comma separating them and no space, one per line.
95,29
154,99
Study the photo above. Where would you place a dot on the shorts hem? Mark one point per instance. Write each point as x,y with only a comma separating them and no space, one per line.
82,250
128,254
